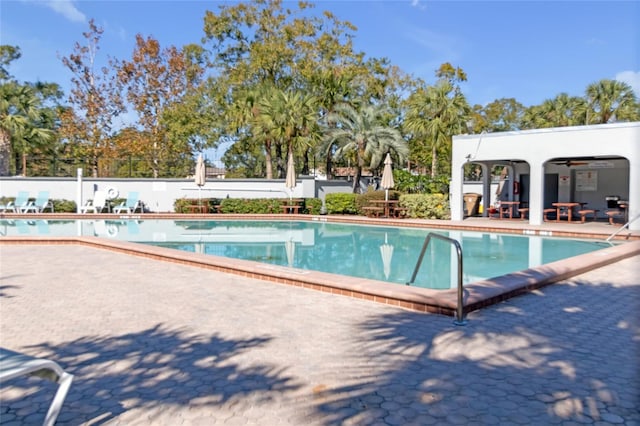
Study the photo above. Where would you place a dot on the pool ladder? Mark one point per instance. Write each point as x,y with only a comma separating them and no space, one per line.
460,320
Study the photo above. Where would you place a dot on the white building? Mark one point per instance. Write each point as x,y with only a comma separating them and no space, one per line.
584,164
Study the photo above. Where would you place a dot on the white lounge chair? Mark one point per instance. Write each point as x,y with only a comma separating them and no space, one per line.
19,204
130,205
41,203
14,364
97,205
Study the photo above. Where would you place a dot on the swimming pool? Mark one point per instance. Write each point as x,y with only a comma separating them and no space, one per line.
372,252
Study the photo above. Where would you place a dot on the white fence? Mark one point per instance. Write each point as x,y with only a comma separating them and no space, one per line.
159,195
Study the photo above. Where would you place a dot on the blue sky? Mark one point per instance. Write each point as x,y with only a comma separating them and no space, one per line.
528,50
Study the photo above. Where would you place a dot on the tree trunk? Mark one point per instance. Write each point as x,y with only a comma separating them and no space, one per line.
5,152
356,180
434,162
24,164
267,159
305,163
279,165
329,172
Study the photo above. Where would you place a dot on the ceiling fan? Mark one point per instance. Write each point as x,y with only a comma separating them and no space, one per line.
570,163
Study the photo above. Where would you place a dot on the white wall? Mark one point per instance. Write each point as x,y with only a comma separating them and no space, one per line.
537,147
159,195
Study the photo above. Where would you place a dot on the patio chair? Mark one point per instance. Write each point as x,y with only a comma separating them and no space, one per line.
131,204
19,204
14,364
97,205
41,203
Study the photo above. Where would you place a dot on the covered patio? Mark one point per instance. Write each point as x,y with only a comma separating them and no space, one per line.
554,173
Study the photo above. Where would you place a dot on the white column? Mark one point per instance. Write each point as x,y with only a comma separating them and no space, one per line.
634,192
536,192
455,191
79,191
486,189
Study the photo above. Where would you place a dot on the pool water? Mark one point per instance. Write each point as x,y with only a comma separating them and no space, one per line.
373,252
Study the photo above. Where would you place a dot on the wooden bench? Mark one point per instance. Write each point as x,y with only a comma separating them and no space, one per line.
198,208
400,212
584,212
546,213
292,209
373,211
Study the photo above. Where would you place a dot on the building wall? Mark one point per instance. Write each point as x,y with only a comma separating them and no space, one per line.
537,148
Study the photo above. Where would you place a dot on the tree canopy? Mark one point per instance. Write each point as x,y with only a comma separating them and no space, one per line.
268,79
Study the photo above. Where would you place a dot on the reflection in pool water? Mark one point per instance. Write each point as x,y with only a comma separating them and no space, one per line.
372,252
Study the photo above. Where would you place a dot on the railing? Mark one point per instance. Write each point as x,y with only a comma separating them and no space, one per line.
622,227
460,308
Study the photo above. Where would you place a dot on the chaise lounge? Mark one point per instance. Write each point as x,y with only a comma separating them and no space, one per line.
14,364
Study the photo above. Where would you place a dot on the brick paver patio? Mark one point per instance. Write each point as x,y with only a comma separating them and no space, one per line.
158,343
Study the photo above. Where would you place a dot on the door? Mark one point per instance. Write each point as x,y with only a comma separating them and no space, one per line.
549,193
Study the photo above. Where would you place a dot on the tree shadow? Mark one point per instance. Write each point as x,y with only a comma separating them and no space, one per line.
565,353
158,367
4,288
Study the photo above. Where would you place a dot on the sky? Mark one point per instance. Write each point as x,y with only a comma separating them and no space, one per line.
527,50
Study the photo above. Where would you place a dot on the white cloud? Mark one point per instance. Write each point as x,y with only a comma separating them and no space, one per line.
67,9
416,3
632,78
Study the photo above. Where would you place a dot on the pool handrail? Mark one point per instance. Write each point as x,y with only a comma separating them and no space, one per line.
460,320
626,225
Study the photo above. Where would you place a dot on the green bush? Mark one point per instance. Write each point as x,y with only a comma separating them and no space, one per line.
420,184
341,203
64,206
426,206
312,205
251,205
181,204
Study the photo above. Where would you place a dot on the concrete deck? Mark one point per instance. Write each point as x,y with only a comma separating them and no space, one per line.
152,342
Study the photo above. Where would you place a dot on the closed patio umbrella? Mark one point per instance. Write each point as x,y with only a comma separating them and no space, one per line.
387,177
200,175
290,182
290,247
386,252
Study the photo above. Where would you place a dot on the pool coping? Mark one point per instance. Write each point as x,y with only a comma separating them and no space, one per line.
476,295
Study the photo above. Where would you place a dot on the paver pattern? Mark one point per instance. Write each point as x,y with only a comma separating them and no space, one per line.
158,343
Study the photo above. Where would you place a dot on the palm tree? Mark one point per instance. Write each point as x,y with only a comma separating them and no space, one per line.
561,111
20,117
611,101
362,135
289,118
437,113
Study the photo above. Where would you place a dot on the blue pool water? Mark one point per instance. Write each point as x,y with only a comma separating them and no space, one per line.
373,252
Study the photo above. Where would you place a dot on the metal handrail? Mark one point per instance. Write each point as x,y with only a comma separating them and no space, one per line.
622,227
460,308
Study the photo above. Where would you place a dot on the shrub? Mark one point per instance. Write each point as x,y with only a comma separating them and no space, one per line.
341,203
250,205
426,206
64,206
420,184
312,205
181,204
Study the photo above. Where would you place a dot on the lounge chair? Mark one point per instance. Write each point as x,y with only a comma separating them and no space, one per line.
130,205
19,204
5,207
41,203
14,364
97,205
